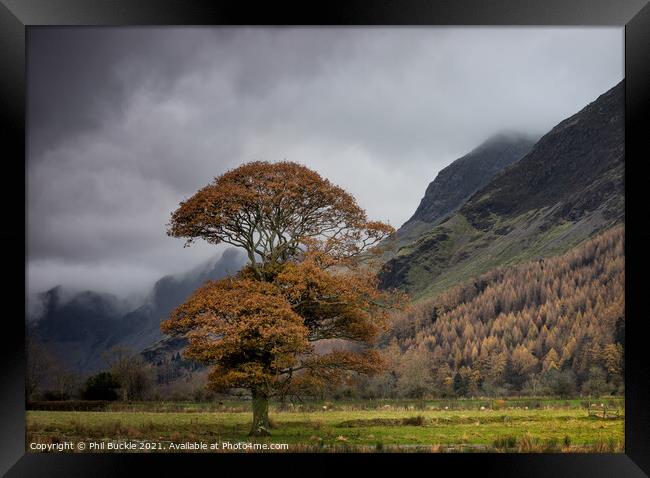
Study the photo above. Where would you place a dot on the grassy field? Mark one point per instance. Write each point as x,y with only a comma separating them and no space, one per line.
488,425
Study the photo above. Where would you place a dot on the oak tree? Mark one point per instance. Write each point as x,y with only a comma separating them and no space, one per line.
306,282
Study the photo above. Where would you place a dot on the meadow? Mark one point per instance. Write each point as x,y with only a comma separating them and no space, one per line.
522,425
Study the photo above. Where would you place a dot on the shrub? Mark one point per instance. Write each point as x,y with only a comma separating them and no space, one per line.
102,386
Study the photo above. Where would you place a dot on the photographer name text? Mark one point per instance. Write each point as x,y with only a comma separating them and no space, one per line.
147,446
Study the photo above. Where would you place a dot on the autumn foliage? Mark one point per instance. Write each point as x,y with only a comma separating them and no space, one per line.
550,326
274,211
304,284
261,334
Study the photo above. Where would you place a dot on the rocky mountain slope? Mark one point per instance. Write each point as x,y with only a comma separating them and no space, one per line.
565,190
457,182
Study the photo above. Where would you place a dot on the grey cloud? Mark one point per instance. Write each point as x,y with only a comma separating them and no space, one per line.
126,122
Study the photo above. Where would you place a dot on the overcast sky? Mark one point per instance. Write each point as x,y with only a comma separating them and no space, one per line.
124,123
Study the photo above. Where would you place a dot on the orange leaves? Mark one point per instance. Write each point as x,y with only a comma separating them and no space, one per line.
343,304
243,326
256,332
366,362
323,372
273,211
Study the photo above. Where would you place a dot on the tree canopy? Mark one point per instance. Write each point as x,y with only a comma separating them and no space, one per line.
274,211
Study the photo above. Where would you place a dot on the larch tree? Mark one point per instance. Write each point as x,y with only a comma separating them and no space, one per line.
307,280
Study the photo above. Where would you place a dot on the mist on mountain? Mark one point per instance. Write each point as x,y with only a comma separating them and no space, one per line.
566,189
78,326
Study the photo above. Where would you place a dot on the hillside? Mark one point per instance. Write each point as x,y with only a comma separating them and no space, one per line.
566,189
513,328
457,182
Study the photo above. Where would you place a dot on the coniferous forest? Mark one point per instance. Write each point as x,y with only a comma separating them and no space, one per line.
551,326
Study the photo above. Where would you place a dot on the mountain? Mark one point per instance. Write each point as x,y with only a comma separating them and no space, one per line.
457,182
567,188
85,315
78,327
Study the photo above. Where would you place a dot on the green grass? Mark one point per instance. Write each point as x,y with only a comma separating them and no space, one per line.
544,429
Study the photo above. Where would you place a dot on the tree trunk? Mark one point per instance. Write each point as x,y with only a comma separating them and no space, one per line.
260,414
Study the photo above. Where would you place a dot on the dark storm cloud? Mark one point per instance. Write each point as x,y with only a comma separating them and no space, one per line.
77,76
126,122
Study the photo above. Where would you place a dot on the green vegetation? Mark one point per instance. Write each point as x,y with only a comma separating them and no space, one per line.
467,425
455,251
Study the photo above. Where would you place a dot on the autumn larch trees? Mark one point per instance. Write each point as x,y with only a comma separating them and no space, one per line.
304,283
551,326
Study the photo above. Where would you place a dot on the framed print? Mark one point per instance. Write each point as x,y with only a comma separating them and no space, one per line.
351,235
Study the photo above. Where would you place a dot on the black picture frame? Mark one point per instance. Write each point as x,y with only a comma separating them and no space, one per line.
18,15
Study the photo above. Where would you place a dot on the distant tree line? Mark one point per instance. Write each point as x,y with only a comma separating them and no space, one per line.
126,376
